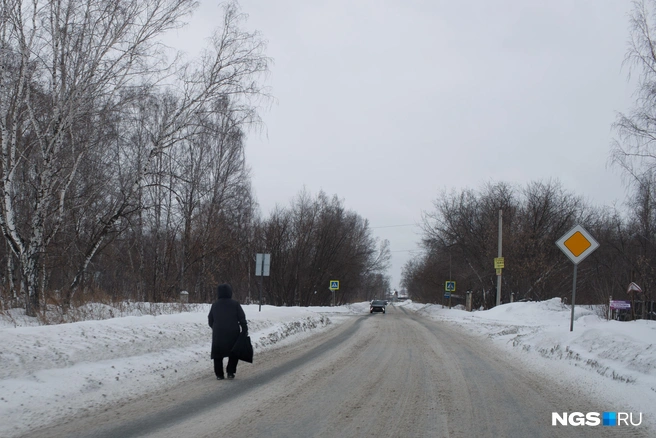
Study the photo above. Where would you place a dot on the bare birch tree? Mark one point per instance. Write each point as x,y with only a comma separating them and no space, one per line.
635,149
72,58
68,63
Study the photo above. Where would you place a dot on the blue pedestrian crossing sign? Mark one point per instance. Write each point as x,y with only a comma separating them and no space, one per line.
450,286
334,285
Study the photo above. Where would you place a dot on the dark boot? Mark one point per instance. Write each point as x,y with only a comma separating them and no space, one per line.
218,368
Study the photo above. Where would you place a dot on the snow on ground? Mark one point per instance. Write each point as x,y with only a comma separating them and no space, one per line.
610,361
49,371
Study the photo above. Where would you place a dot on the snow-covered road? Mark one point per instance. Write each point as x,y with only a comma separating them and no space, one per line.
50,372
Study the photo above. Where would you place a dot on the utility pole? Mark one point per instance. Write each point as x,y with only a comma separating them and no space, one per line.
500,244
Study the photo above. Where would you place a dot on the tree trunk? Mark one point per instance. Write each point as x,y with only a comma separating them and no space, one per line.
31,279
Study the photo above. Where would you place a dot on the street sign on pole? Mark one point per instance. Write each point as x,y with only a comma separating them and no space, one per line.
262,264
633,288
620,304
450,286
262,267
334,285
576,244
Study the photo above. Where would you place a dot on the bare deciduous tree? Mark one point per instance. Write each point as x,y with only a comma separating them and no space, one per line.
73,74
635,149
317,240
461,241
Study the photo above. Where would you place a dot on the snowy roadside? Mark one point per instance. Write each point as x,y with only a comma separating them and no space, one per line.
48,372
613,362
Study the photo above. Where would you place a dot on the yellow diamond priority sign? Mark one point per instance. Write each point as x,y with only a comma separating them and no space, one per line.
577,244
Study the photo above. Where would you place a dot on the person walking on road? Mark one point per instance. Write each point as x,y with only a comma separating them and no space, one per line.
226,318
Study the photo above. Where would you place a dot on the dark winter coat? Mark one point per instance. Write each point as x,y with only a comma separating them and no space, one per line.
226,317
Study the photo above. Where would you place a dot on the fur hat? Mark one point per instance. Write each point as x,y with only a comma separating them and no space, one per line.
225,291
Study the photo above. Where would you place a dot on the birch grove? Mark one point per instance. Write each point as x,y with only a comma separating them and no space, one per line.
91,115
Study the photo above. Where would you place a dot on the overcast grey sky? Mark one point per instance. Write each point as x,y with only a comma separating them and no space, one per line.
386,103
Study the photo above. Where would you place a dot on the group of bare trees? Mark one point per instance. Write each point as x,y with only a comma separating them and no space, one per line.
316,240
123,171
123,175
460,233
109,147
461,242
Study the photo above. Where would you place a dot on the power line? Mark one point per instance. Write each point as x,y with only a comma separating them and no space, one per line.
394,226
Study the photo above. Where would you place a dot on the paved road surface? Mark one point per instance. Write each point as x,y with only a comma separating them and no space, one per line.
380,375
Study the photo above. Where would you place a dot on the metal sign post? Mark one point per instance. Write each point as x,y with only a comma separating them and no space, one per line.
499,274
571,320
449,288
334,285
576,244
262,268
631,290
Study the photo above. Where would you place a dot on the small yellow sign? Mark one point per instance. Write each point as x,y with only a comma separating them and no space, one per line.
577,244
499,271
499,263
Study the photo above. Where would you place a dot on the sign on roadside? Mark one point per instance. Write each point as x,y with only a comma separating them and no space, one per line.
450,286
334,285
262,269
633,288
262,264
576,244
620,304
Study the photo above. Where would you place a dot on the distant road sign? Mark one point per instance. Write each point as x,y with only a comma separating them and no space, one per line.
620,304
450,286
262,264
447,294
633,288
577,244
499,263
334,285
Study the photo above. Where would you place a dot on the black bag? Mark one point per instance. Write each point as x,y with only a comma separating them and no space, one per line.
243,348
